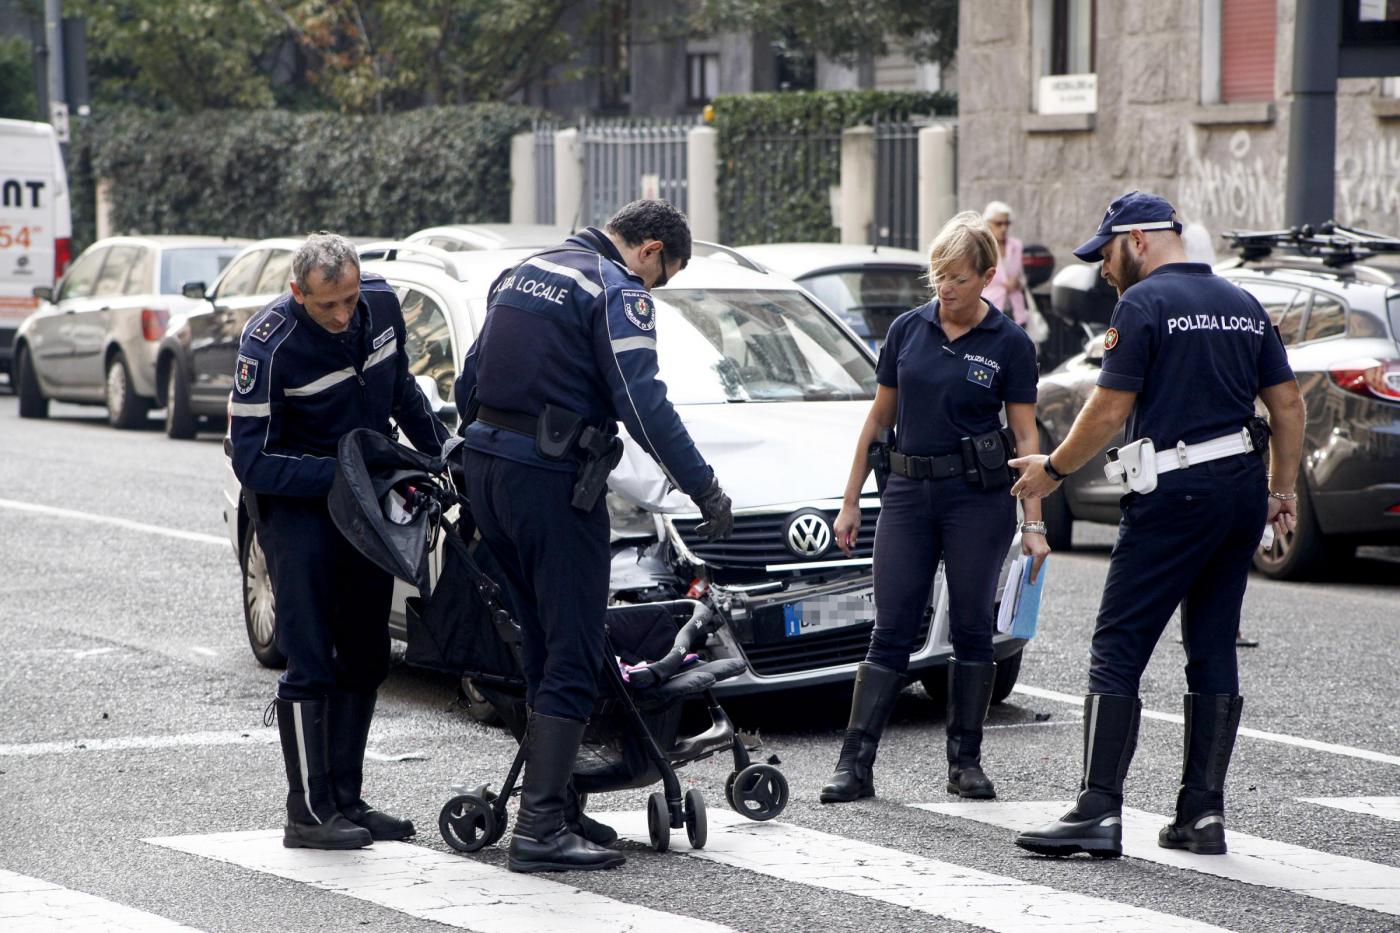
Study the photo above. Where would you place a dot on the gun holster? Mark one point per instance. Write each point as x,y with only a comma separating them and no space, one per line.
1133,466
985,458
557,432
601,454
879,457
1259,433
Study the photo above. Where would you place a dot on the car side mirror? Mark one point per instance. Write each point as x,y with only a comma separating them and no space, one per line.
193,290
445,410
43,292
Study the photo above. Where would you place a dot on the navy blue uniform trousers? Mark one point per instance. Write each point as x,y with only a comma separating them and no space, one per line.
922,522
1188,543
557,564
332,603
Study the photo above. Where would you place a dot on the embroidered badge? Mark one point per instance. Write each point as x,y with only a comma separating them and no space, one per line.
979,375
246,375
382,338
1110,339
639,308
266,328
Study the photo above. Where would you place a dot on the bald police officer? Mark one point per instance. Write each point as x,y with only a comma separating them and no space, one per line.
568,348
1185,357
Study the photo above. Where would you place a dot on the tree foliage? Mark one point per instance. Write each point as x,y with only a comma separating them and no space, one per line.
17,98
846,30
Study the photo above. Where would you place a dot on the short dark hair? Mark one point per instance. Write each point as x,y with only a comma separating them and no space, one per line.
653,219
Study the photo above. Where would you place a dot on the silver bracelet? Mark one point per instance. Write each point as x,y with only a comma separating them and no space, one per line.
1283,496
1032,528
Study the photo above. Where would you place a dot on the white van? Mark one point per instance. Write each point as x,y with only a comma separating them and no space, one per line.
36,223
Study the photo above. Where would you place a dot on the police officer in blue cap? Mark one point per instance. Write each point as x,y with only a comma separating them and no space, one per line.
1185,357
313,365
567,350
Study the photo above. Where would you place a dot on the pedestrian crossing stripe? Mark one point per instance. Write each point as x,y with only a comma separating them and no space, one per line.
29,905
1251,859
1386,808
928,886
454,890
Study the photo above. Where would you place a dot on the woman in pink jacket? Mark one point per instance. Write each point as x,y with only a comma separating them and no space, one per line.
1005,291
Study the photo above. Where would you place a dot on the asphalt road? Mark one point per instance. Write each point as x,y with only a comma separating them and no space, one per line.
131,710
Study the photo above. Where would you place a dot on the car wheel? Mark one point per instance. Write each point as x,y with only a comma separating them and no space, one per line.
935,681
125,409
1304,552
259,604
179,420
32,403
477,706
1008,669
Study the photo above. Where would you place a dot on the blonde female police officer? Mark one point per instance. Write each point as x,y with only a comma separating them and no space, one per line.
945,372
1184,360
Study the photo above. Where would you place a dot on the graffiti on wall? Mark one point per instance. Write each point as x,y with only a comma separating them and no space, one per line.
1241,188
1368,184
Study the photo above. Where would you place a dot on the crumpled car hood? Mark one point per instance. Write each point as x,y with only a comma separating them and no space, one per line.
764,453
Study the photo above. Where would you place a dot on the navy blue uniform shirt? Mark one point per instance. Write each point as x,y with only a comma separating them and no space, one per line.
1196,349
574,328
298,388
951,390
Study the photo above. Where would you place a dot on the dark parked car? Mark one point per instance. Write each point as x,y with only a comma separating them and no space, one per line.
1336,303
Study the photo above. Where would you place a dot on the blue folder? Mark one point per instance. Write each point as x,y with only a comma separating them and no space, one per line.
1023,624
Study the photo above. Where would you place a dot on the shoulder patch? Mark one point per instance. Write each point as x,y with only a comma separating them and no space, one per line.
639,307
266,327
382,338
1110,339
245,376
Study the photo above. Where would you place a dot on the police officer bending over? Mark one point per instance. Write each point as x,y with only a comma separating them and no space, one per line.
1184,360
313,365
567,350
946,371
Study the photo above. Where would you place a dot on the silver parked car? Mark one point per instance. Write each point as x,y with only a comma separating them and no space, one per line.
774,391
456,238
94,339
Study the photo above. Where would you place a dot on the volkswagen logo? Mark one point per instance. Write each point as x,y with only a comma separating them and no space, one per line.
808,534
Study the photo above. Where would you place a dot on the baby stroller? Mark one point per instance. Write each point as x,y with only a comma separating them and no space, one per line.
394,505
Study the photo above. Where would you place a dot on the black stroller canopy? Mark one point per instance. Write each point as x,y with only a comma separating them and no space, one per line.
368,505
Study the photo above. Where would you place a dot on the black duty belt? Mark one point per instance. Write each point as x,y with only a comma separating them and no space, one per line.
516,421
927,467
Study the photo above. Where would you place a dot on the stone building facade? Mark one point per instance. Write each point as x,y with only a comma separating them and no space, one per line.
1159,123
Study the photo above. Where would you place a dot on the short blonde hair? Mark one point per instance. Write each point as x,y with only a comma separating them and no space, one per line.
965,238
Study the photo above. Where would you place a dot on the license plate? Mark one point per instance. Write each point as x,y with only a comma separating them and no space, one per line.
826,613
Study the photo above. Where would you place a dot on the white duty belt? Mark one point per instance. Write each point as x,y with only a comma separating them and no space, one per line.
1138,464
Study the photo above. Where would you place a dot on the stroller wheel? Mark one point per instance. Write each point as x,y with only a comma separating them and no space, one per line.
659,822
760,792
729,789
695,827
468,823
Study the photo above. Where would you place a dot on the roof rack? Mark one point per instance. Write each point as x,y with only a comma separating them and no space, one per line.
1331,242
391,250
706,248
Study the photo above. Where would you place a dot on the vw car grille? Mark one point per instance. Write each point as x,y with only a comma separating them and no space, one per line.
762,540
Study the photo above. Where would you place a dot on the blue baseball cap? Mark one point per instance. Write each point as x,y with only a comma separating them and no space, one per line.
1136,209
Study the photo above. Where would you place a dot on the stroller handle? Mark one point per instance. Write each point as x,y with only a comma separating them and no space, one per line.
703,621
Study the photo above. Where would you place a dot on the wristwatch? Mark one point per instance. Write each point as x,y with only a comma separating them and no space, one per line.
1032,528
1053,473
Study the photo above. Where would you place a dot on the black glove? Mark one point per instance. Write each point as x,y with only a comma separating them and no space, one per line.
716,510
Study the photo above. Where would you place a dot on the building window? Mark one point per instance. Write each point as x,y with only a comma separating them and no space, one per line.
615,68
1062,43
702,78
1238,40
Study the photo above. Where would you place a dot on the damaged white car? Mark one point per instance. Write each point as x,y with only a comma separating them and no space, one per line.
773,388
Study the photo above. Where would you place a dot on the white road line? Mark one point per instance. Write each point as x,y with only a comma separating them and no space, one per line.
28,905
1251,860
134,742
207,652
454,890
928,886
1283,739
1386,808
110,520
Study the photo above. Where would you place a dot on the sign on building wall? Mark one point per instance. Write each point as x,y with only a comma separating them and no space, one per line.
1069,94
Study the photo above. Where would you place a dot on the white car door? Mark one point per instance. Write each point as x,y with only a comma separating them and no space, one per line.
52,341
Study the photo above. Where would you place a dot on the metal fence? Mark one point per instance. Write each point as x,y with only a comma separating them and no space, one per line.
544,171
897,184
619,155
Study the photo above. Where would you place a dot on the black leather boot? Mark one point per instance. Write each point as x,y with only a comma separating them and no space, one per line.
969,695
348,716
871,703
1211,724
313,822
1095,824
542,840
600,834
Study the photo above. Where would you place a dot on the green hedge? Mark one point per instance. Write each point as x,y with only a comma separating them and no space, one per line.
779,155
276,173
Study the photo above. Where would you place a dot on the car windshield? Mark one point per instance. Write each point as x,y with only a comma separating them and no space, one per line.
871,297
192,264
745,345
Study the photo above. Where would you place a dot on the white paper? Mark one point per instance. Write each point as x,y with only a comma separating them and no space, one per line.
1011,594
